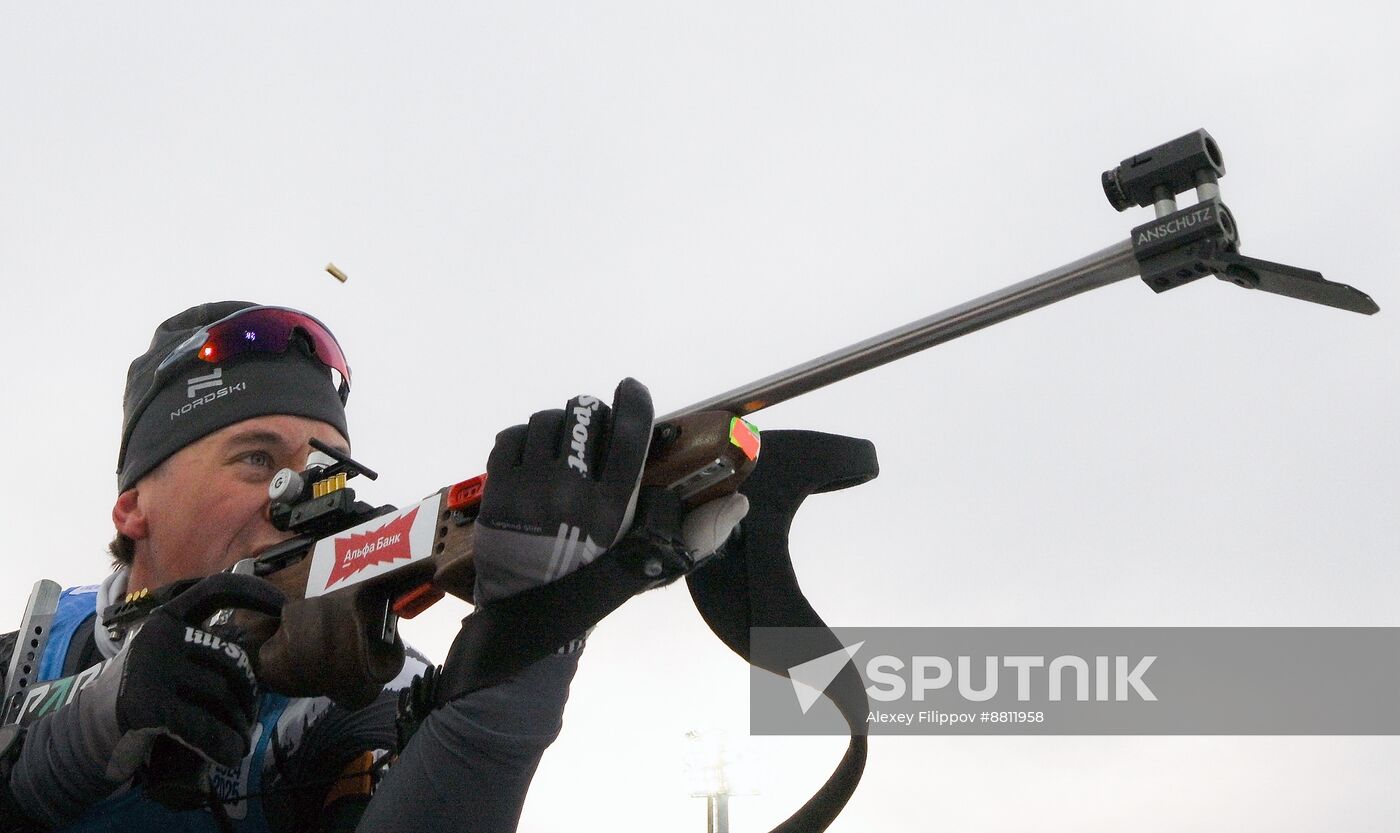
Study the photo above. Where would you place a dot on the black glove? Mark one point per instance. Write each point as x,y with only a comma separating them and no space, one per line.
563,489
171,680
560,490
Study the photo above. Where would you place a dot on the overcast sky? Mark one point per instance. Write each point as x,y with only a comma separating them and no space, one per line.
534,200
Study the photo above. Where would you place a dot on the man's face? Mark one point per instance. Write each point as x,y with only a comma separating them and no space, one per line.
206,507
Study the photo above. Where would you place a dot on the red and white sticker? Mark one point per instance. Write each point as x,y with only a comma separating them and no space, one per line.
373,548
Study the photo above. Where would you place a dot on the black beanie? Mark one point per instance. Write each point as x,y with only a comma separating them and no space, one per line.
199,399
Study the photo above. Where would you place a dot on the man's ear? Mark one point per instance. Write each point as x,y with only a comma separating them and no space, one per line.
128,515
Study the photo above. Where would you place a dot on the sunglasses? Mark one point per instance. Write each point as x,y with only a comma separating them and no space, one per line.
261,330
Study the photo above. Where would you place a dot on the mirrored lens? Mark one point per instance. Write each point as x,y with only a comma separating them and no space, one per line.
270,330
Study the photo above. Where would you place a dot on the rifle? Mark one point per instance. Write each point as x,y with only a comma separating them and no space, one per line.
705,449
352,570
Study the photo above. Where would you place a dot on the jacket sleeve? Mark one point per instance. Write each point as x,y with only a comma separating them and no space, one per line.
469,766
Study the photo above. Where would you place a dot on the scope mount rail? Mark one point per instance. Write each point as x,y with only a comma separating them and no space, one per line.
1177,247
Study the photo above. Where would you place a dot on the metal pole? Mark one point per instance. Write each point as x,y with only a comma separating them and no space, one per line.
717,811
1102,268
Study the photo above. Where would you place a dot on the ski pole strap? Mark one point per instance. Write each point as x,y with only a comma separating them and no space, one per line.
755,586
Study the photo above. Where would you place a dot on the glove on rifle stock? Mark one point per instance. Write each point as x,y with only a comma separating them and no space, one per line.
171,680
753,584
560,490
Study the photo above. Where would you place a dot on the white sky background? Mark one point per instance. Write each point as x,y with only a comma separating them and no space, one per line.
535,200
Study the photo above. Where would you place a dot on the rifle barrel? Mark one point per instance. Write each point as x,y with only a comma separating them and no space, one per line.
1102,268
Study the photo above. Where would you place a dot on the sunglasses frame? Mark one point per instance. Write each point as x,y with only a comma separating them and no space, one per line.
201,337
